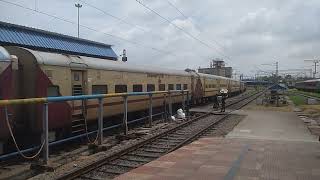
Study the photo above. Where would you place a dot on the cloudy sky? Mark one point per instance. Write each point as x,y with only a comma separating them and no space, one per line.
246,33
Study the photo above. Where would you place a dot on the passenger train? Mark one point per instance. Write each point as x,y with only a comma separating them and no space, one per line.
26,73
312,85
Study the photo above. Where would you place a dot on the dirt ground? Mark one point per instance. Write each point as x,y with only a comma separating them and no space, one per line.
312,111
256,106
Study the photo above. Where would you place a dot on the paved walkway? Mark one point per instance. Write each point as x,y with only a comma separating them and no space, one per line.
272,125
265,146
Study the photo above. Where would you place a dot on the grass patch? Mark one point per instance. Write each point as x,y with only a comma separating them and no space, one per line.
298,100
306,93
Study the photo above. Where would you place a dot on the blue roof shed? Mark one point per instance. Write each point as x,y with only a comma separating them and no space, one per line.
16,35
278,87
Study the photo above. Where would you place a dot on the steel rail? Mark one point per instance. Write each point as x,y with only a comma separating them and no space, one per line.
92,166
195,136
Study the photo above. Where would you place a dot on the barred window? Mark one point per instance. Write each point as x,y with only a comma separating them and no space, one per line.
185,86
120,88
178,86
99,89
137,88
151,87
162,87
170,87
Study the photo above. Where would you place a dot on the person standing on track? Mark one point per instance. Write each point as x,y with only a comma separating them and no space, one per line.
223,102
223,97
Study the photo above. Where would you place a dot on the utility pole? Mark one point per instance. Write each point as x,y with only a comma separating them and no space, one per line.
277,72
315,66
78,5
35,5
277,81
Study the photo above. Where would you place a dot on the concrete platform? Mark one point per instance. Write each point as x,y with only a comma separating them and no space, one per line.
272,125
266,145
221,158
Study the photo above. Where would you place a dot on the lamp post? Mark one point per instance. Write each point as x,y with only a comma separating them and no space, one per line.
78,5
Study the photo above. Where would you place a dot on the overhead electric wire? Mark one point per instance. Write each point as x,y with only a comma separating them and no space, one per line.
181,29
118,18
122,20
187,18
175,7
89,28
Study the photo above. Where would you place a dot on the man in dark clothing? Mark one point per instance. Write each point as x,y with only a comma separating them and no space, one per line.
223,102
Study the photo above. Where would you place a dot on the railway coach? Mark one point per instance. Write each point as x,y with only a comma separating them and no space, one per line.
26,73
312,85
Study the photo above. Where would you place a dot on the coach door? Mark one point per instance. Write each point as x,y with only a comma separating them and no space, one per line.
78,106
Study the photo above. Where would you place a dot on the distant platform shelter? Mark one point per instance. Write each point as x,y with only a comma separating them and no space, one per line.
36,39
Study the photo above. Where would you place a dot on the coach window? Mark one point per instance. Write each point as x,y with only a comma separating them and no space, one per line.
162,87
185,86
76,76
151,87
120,88
99,89
178,86
170,87
53,91
137,88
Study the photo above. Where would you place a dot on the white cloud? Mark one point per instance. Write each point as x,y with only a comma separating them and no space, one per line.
250,32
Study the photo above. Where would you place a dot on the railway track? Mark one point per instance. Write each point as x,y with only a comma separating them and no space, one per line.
156,146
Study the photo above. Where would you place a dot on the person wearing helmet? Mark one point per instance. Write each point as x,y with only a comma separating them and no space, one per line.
224,95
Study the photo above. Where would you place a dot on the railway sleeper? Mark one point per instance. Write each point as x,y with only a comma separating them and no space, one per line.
167,143
129,163
169,140
181,133
142,154
178,136
175,139
164,145
113,169
136,158
154,150
131,166
157,146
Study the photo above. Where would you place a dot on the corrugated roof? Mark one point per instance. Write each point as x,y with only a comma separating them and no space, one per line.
11,34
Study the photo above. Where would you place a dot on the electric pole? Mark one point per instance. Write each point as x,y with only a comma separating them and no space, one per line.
315,66
277,72
78,5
